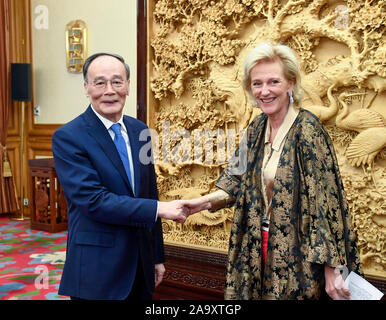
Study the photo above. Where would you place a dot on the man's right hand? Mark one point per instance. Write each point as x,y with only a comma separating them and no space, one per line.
176,210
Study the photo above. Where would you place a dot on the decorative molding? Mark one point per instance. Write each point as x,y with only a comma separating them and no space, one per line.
194,280
199,255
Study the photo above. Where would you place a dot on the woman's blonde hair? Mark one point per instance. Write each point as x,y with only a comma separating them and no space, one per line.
271,52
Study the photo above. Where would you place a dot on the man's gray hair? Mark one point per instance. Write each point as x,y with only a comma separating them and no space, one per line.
96,55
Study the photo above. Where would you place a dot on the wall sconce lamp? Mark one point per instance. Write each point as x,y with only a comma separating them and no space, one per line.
76,45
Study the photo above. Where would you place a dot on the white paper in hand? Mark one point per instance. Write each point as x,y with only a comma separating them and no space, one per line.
361,289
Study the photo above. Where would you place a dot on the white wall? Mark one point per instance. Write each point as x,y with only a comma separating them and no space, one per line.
112,27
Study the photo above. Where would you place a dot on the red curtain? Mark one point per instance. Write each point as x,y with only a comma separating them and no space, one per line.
8,196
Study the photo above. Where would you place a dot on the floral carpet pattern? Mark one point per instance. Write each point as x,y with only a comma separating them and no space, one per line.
31,262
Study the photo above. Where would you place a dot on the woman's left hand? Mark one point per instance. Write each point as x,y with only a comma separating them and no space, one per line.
335,286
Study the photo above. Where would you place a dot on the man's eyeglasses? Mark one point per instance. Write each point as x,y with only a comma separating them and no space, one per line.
115,83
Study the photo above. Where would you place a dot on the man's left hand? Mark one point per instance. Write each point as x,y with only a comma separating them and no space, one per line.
159,273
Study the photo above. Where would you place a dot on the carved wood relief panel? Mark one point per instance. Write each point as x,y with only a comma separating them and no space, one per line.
198,109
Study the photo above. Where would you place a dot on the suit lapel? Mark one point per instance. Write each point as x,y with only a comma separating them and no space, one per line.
98,131
133,134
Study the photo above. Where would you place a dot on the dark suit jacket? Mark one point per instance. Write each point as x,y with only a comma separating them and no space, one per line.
109,227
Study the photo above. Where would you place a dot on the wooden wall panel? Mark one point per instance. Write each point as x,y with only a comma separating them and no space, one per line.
14,122
21,31
39,147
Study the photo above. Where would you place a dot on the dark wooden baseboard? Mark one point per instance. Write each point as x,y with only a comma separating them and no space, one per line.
192,274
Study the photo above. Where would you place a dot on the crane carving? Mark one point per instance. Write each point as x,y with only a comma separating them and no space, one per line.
357,120
322,112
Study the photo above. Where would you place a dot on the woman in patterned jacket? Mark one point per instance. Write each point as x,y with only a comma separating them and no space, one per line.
291,232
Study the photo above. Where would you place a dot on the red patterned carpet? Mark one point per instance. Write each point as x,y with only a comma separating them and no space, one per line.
31,262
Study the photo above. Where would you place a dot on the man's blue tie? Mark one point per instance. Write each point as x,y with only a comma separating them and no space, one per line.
122,149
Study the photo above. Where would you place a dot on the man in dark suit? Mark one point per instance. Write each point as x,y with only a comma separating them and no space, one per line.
115,244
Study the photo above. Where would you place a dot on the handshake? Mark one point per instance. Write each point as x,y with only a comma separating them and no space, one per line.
180,210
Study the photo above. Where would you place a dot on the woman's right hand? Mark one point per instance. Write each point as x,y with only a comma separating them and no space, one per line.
198,204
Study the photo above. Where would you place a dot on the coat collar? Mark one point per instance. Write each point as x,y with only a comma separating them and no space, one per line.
289,119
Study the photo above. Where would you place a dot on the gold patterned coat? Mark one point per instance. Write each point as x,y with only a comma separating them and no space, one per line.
310,222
